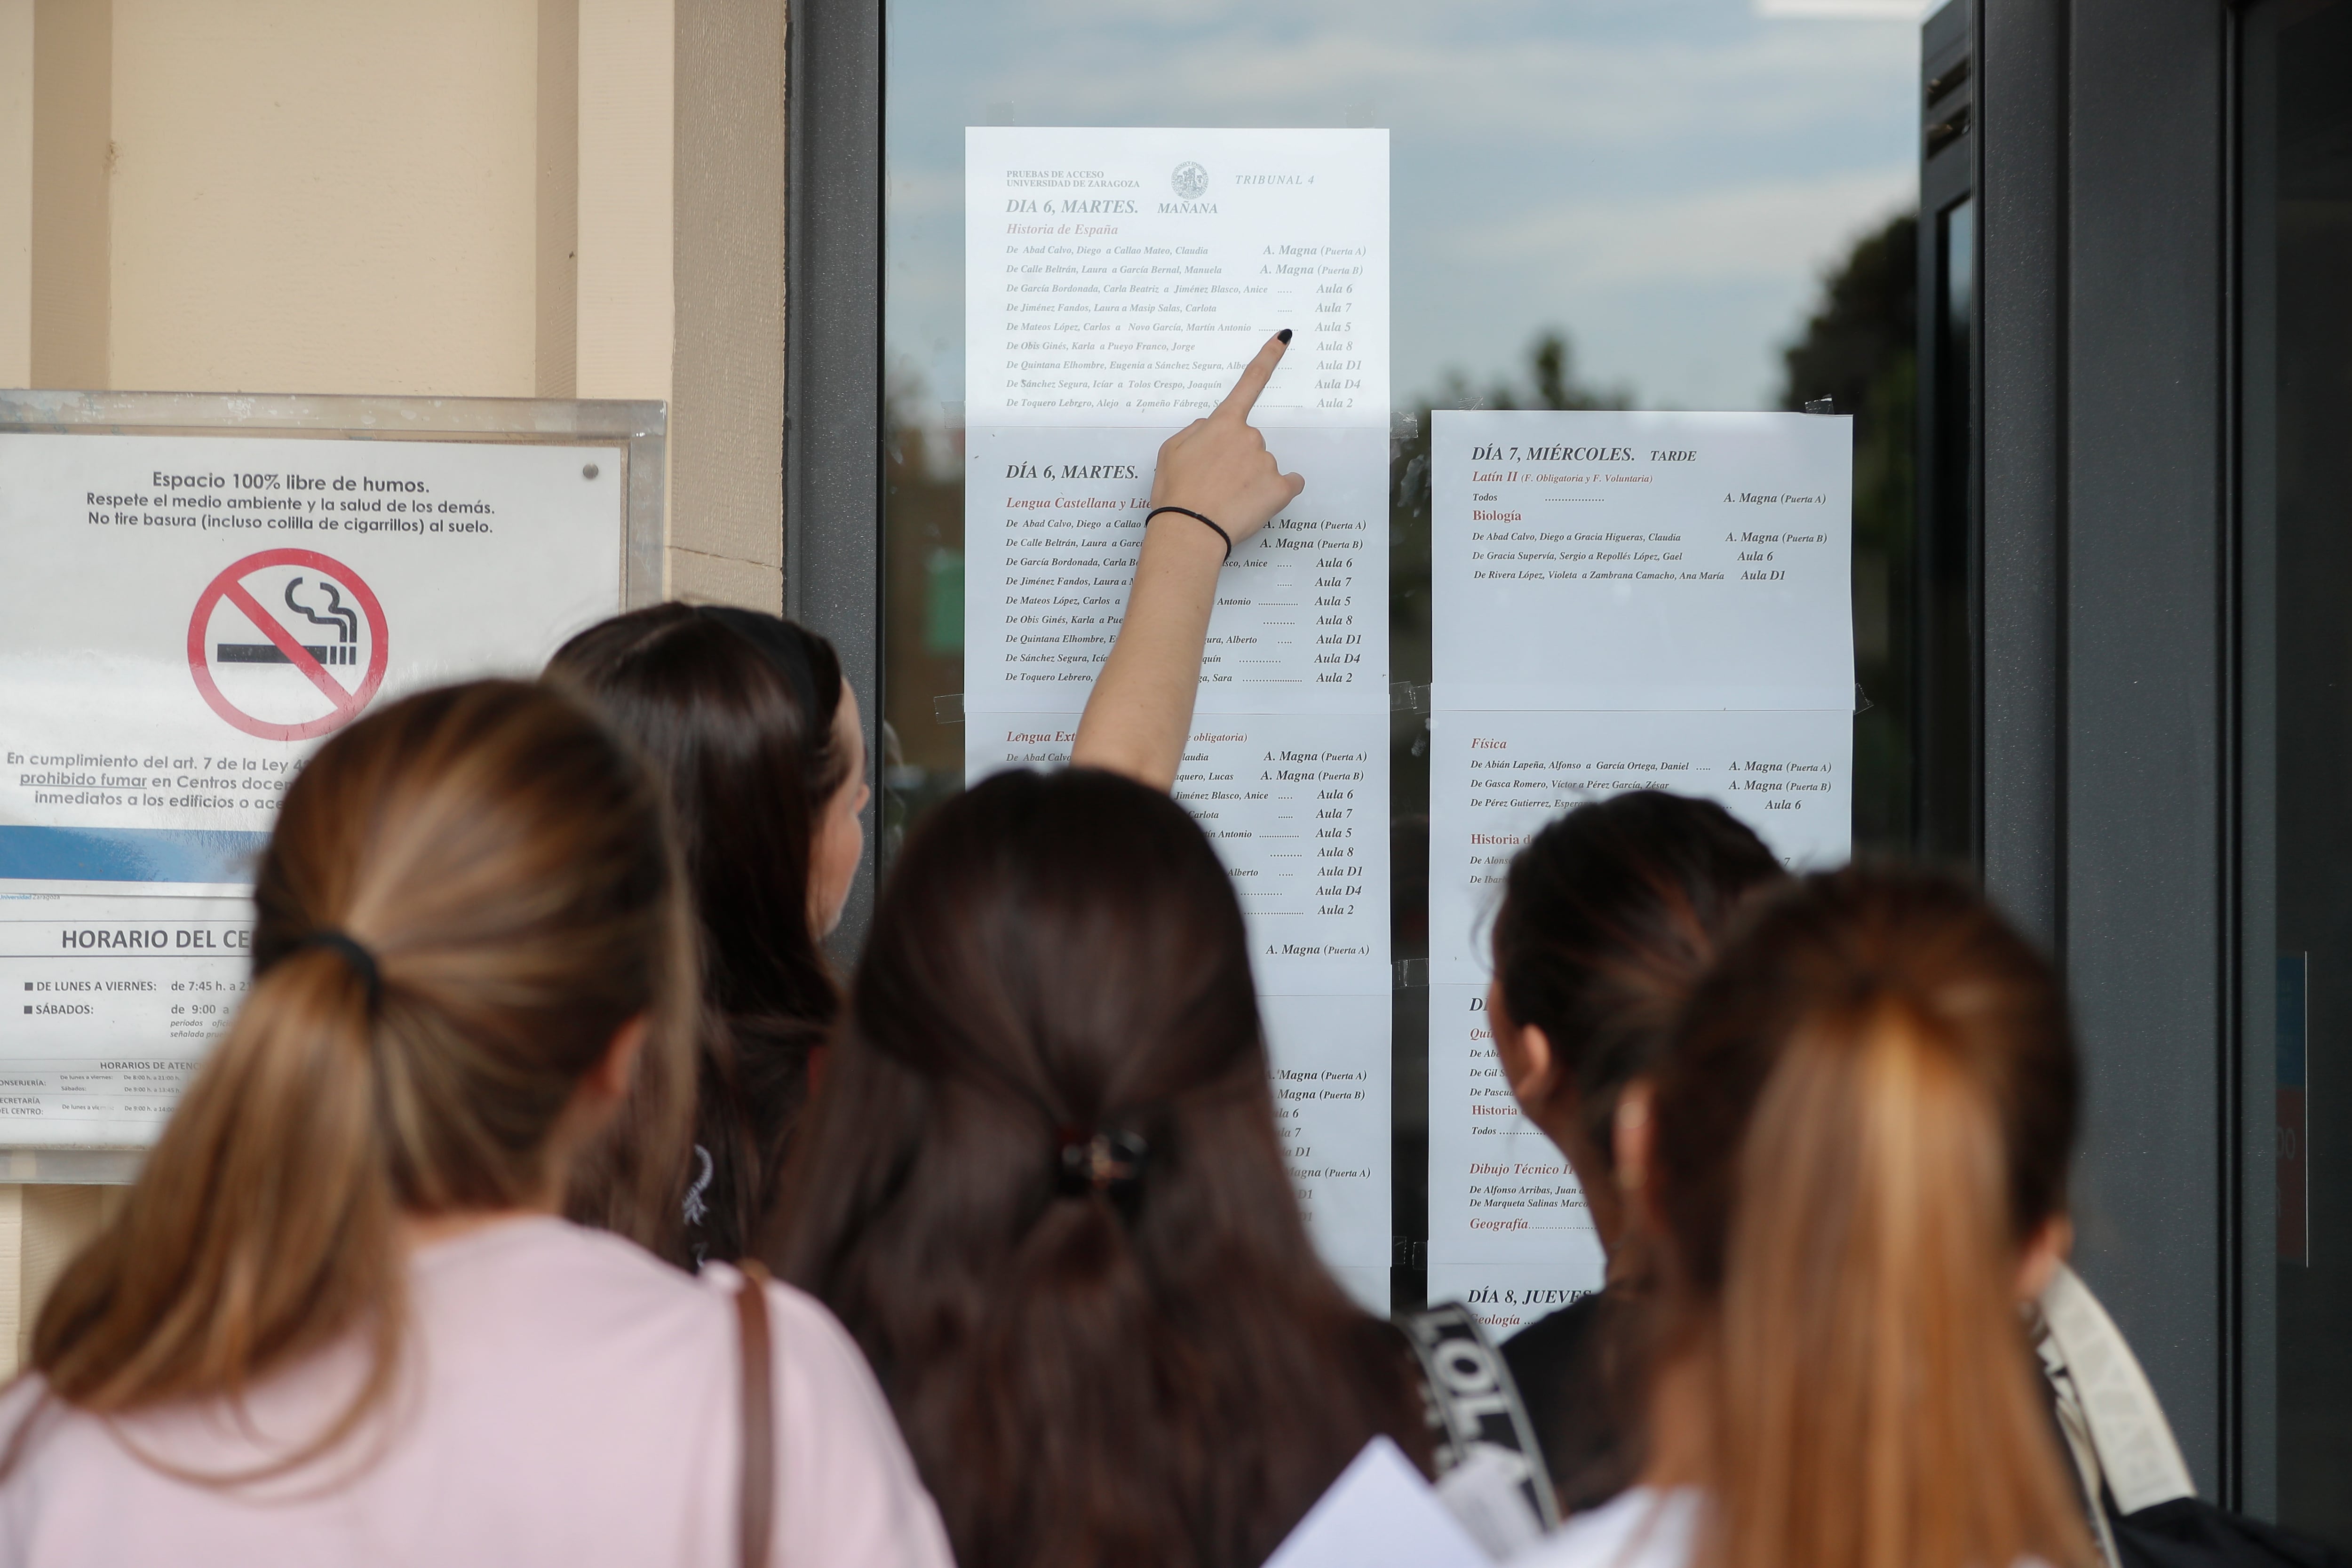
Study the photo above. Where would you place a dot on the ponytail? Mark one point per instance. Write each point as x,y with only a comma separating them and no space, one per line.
1077,1299
502,869
1865,1119
264,1229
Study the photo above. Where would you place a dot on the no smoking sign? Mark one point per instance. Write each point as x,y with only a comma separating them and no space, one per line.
287,644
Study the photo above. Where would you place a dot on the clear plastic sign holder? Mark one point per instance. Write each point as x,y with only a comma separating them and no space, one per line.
633,434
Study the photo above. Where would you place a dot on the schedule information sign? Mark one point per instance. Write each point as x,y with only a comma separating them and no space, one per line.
1116,282
1621,601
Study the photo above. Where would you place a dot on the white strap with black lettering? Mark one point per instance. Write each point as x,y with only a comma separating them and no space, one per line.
2141,1461
1475,1419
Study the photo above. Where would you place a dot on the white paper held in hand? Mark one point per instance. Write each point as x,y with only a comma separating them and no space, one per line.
1379,1513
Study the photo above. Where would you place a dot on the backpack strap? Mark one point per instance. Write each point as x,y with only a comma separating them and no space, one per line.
756,1520
1472,1403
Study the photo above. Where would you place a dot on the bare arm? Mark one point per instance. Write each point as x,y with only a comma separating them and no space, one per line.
1141,712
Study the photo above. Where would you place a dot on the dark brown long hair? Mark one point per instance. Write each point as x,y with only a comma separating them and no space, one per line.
504,858
1155,1374
1609,915
1864,1117
735,709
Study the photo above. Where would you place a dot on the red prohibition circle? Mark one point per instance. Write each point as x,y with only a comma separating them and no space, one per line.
346,705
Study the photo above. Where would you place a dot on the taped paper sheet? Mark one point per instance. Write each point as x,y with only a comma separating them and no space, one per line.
1497,777
1279,797
1694,560
1117,280
1621,601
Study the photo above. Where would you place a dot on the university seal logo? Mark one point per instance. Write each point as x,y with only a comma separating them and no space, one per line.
1190,181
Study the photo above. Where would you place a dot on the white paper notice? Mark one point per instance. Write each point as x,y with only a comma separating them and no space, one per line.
182,619
1496,778
1621,601
106,1004
1642,560
1116,283
1298,809
1052,520
1516,1240
1125,276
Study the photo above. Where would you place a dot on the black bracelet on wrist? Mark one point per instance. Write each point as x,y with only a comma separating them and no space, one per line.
1196,517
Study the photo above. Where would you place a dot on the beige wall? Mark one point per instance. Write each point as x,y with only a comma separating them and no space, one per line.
729,396
453,198
320,196
627,126
459,197
73,53
41,1228
15,192
556,302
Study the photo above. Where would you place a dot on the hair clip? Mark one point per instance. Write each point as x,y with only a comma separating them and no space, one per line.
1108,1162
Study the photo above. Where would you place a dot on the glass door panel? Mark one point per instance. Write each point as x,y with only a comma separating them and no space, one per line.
1607,203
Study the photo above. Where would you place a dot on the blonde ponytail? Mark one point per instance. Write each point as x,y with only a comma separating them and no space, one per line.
271,1231
1865,1120
505,866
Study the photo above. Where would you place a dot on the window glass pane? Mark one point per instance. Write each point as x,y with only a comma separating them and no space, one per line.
1608,204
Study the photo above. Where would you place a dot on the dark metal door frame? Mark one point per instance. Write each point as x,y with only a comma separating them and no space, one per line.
833,366
2112,665
1947,549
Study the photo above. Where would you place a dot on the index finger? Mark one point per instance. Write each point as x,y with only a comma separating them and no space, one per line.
1253,377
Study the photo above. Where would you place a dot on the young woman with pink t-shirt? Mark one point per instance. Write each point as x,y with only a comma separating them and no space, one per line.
339,1319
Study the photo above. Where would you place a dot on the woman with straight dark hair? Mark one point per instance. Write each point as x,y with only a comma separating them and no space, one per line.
337,1319
1044,1190
1850,1177
746,718
1609,917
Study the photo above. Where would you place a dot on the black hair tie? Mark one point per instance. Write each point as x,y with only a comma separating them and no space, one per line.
1196,517
1111,1163
359,960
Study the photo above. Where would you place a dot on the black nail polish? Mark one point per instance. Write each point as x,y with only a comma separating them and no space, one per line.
1284,334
